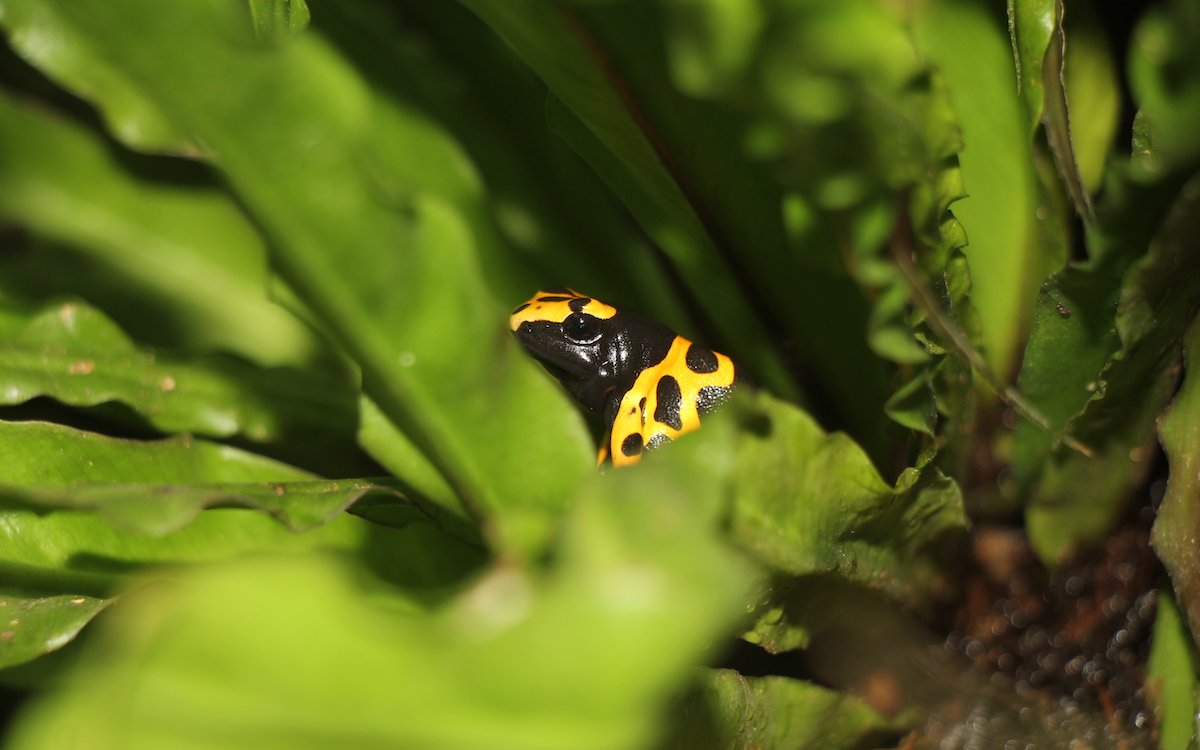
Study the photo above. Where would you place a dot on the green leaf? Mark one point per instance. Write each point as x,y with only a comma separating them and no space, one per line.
1072,335
79,62
966,41
74,354
591,115
383,245
712,43
40,454
1031,26
1177,524
1093,91
193,264
495,108
159,509
728,710
1164,61
1173,679
397,453
50,466
232,657
31,626
275,19
1057,118
810,504
1157,301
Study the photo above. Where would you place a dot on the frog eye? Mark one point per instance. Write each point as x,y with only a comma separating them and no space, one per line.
581,328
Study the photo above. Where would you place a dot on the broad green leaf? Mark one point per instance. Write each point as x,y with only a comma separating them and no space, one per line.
1157,301
1177,525
374,216
40,454
496,108
46,465
232,657
1173,678
810,505
74,354
31,626
399,455
1072,335
729,711
1074,329
185,248
966,41
78,61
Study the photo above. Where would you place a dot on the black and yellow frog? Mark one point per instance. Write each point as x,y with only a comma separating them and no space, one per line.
648,384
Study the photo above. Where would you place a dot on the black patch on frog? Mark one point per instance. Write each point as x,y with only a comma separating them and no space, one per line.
700,360
670,399
631,445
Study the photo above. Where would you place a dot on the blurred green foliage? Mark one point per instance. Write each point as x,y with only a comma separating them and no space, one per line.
262,418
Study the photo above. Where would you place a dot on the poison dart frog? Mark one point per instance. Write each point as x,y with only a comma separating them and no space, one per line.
647,384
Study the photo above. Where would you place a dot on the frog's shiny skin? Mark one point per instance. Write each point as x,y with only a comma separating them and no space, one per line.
648,384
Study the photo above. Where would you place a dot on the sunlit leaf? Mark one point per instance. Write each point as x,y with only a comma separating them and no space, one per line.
79,61
72,353
186,248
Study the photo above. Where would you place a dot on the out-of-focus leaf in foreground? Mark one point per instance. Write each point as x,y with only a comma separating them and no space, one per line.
297,653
